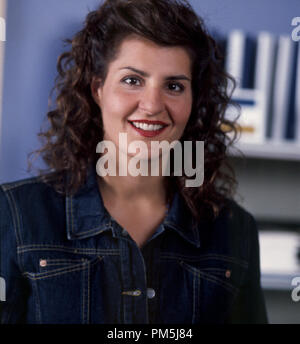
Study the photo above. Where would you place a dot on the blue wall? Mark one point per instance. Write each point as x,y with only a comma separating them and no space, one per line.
250,15
35,30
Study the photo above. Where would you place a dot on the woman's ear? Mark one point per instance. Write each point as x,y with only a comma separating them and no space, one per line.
96,89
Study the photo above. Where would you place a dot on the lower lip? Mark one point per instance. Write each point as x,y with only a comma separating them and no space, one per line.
148,133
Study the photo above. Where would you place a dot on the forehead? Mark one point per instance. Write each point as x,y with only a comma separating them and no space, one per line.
144,54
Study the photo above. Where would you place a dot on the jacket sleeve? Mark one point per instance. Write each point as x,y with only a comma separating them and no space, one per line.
250,307
12,283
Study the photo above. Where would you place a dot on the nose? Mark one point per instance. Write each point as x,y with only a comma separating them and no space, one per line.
152,100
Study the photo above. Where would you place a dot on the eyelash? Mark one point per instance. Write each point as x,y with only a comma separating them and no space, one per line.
181,87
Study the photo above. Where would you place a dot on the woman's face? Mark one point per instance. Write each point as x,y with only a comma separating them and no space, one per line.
147,93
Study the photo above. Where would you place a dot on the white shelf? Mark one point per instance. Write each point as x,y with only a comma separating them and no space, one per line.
279,258
278,281
269,150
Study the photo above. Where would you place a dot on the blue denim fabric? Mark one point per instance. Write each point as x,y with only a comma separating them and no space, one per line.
66,260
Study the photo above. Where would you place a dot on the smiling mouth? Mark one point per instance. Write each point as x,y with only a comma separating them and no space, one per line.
148,128
148,125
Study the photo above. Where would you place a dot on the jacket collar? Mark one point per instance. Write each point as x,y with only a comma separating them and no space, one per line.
180,220
86,215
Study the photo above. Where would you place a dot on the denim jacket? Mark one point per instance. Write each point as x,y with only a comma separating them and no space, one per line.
64,259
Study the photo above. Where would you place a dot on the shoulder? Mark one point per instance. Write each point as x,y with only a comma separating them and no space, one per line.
12,190
23,198
22,185
236,214
26,190
28,206
238,227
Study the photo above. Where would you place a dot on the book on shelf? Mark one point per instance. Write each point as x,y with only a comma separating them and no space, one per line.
240,58
267,73
264,77
291,118
297,97
251,61
235,55
283,120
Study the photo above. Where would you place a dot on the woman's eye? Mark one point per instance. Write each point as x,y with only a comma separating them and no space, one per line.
176,87
132,81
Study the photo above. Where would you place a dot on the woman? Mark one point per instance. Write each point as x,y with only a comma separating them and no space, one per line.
79,246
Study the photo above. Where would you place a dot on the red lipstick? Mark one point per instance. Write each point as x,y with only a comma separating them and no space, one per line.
148,133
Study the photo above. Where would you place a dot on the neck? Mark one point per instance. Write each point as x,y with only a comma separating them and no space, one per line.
131,188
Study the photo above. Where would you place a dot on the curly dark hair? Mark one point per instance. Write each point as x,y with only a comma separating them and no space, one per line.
76,124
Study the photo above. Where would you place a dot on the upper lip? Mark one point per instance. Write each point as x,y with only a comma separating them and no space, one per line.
148,121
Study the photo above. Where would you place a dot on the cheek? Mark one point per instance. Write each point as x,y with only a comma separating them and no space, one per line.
118,104
182,114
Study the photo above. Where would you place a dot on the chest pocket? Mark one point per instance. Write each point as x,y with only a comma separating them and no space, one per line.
205,287
60,280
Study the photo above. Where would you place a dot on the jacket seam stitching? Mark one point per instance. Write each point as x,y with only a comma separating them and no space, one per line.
96,230
74,251
13,210
205,257
216,280
49,274
12,205
12,186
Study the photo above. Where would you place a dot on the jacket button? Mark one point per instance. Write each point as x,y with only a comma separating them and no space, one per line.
227,273
150,293
43,263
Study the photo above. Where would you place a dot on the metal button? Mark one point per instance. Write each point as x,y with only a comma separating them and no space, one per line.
43,263
227,273
150,293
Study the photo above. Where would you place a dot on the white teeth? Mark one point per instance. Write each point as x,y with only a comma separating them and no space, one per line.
147,127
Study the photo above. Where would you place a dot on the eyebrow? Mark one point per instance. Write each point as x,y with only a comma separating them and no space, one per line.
144,74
